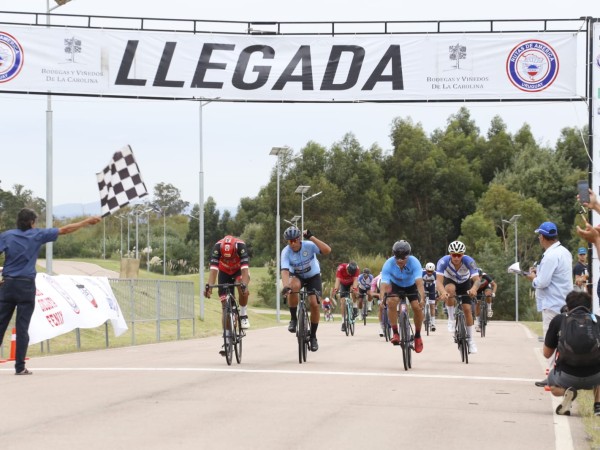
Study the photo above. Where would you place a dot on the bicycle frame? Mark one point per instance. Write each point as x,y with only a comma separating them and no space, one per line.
460,329
232,327
349,316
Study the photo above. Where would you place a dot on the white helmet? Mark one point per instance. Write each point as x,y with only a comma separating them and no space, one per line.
456,247
326,299
429,267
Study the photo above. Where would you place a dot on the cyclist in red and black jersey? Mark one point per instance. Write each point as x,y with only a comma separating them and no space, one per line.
346,282
230,260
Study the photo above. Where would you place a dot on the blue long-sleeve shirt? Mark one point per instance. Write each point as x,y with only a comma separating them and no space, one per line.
553,279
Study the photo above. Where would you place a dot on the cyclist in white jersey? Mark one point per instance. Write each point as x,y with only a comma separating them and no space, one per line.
457,274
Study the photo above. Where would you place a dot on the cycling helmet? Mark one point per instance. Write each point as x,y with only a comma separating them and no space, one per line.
401,249
456,247
291,233
352,268
429,267
366,271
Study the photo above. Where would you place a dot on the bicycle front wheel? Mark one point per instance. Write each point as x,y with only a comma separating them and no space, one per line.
301,335
462,337
347,319
427,320
365,312
228,338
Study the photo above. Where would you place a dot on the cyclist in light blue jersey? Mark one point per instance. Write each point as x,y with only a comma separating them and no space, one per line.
300,268
457,274
402,275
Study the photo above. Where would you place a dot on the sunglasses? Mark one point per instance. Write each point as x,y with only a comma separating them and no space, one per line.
401,258
456,255
293,241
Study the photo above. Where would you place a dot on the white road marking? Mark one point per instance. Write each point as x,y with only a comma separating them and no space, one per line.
277,371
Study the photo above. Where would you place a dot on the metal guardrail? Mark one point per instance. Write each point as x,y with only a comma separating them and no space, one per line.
155,311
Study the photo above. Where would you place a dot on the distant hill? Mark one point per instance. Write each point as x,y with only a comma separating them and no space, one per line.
69,210
76,209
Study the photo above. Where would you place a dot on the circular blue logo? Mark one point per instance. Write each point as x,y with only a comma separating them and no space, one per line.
11,57
532,66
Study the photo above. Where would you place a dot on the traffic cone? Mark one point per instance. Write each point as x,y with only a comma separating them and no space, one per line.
13,346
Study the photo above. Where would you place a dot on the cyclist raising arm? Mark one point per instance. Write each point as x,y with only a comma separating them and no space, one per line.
300,268
402,274
457,274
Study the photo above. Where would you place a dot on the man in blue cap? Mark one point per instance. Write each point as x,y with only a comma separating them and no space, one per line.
551,279
580,271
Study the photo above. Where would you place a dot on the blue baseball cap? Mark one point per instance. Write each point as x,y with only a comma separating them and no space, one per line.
582,251
547,229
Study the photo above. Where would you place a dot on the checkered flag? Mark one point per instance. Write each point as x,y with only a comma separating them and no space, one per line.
120,182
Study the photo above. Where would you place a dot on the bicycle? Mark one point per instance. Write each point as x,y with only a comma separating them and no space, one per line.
460,329
365,307
427,319
407,336
386,321
349,317
483,314
303,328
232,326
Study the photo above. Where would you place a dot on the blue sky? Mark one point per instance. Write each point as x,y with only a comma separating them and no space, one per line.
237,137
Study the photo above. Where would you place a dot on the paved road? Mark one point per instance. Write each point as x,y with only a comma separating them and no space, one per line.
353,393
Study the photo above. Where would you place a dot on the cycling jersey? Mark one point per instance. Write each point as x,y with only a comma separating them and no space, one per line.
466,270
485,283
239,258
374,283
303,263
364,284
345,278
391,273
429,284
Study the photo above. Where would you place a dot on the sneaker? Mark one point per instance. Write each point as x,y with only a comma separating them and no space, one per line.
564,409
314,344
369,308
451,326
381,332
433,327
597,409
244,322
354,314
490,313
24,372
472,347
478,328
292,326
344,326
418,345
396,339
542,383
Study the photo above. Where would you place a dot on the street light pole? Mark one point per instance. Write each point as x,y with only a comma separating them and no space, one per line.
513,221
278,151
303,190
49,152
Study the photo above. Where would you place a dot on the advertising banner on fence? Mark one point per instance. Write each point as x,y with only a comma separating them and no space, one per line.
63,303
315,68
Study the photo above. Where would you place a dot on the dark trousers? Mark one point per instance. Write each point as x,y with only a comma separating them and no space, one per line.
17,293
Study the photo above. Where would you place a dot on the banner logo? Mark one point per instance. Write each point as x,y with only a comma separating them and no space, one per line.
11,57
532,66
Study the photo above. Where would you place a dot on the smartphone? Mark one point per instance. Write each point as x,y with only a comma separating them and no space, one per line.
583,189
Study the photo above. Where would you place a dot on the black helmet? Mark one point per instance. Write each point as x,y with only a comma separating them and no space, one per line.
291,233
401,249
352,268
366,271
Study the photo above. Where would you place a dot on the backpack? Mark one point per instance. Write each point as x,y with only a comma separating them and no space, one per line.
579,339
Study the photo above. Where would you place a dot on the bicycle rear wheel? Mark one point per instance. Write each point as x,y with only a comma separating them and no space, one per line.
300,334
364,311
351,323
237,335
427,321
386,325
